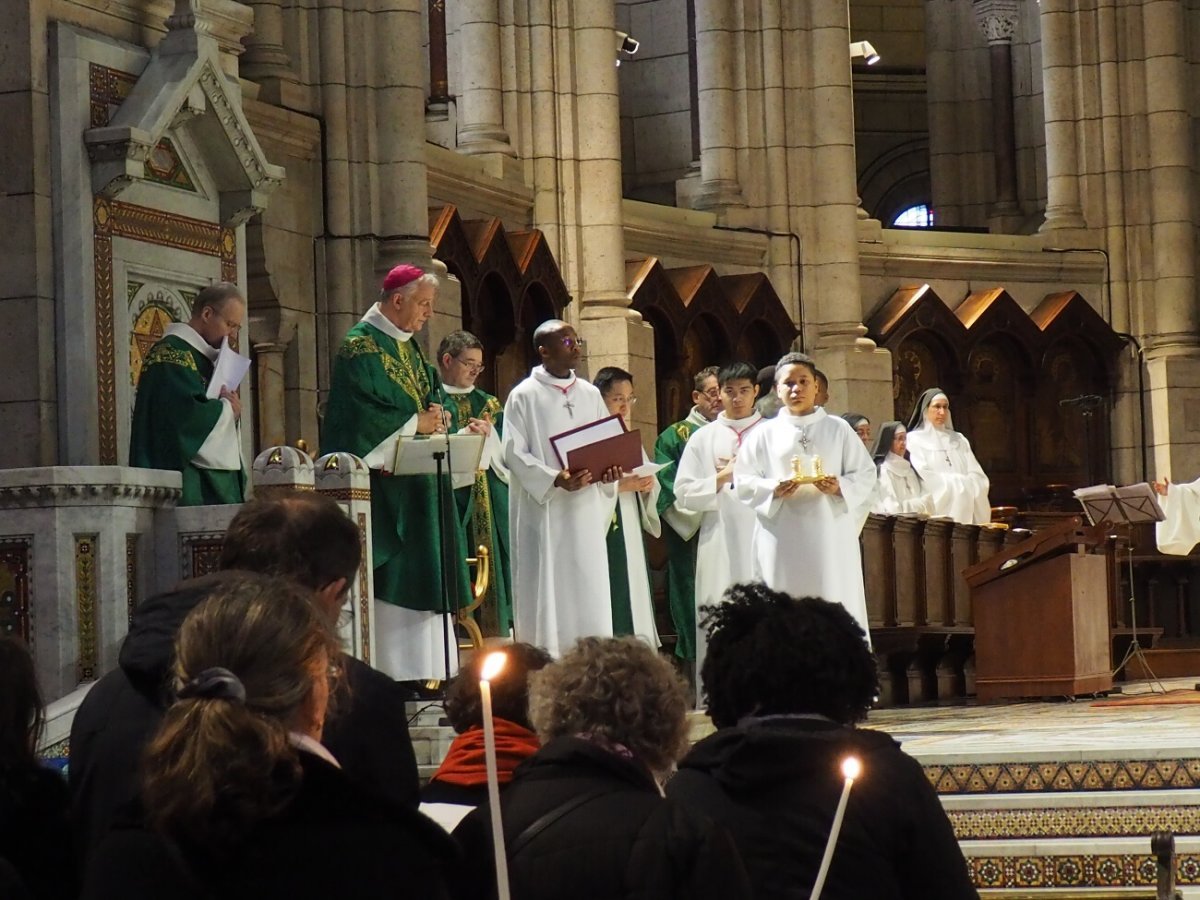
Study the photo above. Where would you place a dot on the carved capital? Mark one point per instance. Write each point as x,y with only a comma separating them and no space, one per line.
998,19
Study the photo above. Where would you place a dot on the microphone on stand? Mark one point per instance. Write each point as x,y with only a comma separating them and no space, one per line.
1087,401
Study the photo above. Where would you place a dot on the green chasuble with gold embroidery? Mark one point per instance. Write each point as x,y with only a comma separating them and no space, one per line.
378,384
483,512
173,417
681,552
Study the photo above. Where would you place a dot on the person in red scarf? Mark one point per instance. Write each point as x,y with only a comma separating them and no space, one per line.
460,783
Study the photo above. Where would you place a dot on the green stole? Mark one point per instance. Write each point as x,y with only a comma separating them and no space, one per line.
173,417
618,572
378,384
681,554
483,513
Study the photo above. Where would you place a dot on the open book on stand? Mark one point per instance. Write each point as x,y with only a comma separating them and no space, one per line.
1128,505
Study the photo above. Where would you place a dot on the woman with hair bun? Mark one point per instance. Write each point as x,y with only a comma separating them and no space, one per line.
239,796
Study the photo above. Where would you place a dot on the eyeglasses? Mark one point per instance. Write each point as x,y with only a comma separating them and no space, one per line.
714,394
631,401
577,343
473,368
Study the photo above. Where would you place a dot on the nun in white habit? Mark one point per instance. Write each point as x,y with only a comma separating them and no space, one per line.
901,492
944,460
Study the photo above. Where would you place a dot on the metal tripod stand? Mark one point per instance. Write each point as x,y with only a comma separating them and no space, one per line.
1134,650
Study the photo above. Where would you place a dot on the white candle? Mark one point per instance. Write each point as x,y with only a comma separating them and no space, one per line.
491,668
851,768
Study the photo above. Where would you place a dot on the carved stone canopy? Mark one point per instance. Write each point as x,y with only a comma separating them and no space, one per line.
998,19
183,86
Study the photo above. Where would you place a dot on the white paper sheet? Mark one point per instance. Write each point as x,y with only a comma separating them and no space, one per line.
588,434
231,367
648,469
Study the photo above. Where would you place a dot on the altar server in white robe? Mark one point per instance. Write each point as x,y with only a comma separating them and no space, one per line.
901,490
704,484
637,512
943,458
806,535
557,519
1179,532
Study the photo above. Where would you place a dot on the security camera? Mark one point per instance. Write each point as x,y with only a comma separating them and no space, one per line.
626,44
864,51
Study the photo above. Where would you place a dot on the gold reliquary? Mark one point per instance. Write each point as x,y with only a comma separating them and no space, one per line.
807,474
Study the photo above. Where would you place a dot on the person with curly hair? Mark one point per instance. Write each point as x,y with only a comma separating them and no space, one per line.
460,783
239,798
585,816
788,680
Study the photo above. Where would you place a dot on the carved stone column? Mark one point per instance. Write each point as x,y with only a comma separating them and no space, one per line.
998,20
273,331
266,59
715,60
481,100
1063,207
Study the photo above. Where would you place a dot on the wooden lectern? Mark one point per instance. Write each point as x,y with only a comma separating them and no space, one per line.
1041,616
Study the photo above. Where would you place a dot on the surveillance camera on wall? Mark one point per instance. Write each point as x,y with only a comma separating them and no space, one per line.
864,51
626,44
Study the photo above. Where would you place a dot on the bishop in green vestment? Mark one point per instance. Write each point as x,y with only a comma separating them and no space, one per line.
482,506
682,525
383,388
175,424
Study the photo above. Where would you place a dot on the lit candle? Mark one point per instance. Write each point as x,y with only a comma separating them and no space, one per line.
851,768
491,668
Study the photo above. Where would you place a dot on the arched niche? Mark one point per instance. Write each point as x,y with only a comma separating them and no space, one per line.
672,384
494,323
994,414
1070,416
920,361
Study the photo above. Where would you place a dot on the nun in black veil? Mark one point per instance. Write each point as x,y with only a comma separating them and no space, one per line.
944,460
902,492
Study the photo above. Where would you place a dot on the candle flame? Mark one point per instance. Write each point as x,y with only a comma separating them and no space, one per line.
851,767
493,665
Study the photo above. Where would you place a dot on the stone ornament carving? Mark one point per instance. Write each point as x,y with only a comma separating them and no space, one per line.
282,468
998,19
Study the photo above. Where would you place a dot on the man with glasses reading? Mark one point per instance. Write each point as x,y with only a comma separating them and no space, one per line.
482,506
175,424
558,518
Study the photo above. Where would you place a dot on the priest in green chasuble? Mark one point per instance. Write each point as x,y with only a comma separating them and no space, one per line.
482,506
637,511
383,388
175,424
682,525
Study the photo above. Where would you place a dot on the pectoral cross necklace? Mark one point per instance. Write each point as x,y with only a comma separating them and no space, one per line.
567,404
802,437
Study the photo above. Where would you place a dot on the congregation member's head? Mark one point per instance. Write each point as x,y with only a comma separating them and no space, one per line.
739,389
706,392
406,297
558,346
510,688
251,672
796,383
616,387
862,427
766,380
753,667
21,713
892,438
932,411
618,693
218,312
300,535
822,387
460,359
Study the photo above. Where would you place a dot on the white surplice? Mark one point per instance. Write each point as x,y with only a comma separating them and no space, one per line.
807,544
725,551
639,512
1179,532
901,490
559,550
954,477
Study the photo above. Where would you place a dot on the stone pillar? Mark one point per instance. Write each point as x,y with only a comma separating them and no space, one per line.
272,334
1063,207
481,100
998,20
344,478
715,62
400,186
266,60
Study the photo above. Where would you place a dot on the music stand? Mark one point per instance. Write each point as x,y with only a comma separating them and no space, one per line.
443,456
1131,505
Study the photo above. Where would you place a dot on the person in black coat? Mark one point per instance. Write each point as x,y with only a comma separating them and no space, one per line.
238,798
786,681
35,859
584,817
303,536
